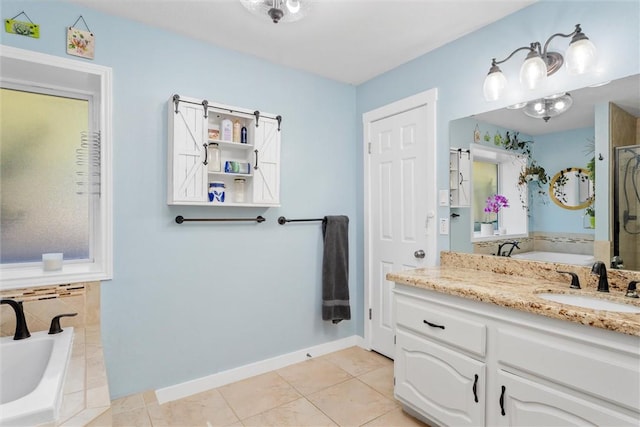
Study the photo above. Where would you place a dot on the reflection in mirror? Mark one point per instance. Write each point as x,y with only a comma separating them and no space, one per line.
571,189
572,136
626,204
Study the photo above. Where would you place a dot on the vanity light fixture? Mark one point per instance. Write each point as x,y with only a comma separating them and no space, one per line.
278,10
580,57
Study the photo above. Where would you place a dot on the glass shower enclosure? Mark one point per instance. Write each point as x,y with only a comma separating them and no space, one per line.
626,202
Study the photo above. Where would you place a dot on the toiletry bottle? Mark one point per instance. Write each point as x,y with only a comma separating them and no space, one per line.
213,161
227,130
216,192
243,135
236,131
238,190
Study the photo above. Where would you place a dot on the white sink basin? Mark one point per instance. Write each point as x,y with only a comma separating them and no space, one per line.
590,302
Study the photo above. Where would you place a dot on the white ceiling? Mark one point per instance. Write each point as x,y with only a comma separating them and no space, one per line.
350,41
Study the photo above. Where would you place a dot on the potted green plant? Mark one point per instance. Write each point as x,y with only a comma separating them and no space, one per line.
533,173
591,213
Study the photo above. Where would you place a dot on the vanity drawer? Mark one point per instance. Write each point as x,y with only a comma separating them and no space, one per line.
441,323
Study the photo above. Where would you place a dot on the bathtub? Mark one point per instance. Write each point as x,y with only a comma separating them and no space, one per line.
32,373
563,258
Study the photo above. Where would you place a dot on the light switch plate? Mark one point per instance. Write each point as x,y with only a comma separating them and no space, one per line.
443,226
443,197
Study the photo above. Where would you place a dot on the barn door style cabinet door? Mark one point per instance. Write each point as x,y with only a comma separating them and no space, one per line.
230,149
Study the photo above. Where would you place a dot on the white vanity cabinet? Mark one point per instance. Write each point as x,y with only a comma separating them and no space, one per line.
189,171
531,370
439,363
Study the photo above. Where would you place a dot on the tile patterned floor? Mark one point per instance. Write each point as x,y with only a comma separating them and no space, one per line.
352,387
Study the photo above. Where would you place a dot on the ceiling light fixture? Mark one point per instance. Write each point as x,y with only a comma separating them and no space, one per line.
540,63
278,10
547,107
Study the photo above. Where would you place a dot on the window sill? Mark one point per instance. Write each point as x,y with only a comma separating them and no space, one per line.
29,277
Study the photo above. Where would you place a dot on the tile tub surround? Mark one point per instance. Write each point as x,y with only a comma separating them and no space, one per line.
514,284
350,387
86,390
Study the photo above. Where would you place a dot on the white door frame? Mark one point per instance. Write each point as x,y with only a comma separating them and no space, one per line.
427,98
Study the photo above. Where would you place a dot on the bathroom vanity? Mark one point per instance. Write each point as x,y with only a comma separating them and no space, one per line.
483,348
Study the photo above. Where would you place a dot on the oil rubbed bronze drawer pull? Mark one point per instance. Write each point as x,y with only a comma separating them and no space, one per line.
433,325
475,388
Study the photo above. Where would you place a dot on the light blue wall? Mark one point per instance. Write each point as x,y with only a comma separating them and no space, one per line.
188,301
458,69
554,152
191,300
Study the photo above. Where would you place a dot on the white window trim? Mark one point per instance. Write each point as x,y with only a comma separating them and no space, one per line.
497,156
30,275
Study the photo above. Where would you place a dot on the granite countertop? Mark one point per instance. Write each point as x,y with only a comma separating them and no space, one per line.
520,293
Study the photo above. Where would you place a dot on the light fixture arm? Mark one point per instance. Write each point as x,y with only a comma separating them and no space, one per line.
543,53
530,48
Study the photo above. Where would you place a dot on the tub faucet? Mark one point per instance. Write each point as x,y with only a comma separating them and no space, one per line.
631,290
22,331
600,270
514,244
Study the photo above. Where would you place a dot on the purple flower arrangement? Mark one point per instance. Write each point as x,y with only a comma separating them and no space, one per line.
495,203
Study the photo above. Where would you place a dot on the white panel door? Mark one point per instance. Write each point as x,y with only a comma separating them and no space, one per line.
266,173
399,176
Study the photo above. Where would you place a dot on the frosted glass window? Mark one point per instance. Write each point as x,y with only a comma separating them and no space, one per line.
485,184
41,210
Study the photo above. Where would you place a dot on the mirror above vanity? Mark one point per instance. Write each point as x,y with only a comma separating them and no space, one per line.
574,154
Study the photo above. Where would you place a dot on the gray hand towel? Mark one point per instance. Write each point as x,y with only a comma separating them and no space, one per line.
335,269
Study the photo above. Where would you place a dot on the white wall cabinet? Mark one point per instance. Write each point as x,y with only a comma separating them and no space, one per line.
190,168
460,177
523,369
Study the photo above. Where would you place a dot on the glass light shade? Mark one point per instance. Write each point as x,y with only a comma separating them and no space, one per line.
293,6
292,10
548,107
533,72
494,85
580,56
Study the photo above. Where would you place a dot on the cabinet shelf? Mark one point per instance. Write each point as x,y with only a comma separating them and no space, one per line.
239,175
229,144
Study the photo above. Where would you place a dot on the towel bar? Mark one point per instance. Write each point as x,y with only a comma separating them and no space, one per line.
282,220
180,219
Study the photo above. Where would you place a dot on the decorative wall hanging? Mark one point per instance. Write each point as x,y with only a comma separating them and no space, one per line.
476,134
79,42
22,28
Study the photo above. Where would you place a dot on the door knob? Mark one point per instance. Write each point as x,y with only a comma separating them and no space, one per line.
419,253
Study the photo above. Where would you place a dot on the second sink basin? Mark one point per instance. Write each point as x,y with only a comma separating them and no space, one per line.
590,302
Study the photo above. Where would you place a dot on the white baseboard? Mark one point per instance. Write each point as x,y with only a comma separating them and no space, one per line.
188,388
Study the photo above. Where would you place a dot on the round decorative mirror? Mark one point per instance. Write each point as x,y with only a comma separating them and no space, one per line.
572,189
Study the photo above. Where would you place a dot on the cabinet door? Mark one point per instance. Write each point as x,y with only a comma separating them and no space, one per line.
528,403
443,385
266,168
464,179
187,138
